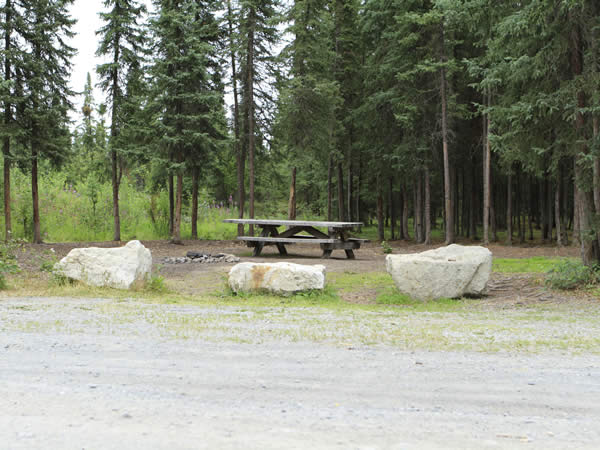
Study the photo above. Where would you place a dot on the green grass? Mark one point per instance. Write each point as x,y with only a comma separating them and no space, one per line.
536,264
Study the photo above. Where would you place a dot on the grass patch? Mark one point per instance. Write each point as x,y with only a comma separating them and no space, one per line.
536,264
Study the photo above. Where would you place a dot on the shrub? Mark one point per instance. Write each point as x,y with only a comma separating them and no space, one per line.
386,247
571,275
8,260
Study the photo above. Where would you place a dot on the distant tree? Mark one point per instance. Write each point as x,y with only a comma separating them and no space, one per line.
122,41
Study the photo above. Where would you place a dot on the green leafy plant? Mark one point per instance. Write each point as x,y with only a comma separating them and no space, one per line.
571,274
48,261
156,283
386,247
8,260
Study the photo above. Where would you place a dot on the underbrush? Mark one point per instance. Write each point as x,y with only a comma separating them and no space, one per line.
572,274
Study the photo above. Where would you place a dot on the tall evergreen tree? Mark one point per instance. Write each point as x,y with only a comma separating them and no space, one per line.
187,96
122,42
46,69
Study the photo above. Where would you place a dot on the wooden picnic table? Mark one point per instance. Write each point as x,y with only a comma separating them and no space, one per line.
336,238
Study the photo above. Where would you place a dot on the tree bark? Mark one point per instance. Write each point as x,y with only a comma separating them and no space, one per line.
589,242
447,193
195,177
171,187
487,157
418,209
292,201
7,121
330,188
509,217
250,100
557,200
239,149
176,237
405,231
427,213
392,210
37,234
380,229
340,192
114,132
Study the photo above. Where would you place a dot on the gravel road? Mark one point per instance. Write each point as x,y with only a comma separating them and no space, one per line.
83,374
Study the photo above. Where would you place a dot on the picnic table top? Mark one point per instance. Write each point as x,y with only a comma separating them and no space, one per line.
305,223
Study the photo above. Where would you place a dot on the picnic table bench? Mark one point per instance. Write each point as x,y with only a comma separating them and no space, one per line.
336,238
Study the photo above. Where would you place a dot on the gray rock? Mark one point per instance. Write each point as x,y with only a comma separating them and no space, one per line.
110,267
450,272
279,278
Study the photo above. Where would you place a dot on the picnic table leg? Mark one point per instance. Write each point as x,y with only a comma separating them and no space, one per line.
350,254
326,253
258,246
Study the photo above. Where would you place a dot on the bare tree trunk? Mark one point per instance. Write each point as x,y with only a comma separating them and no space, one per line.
195,176
557,195
487,158
37,234
330,188
357,193
176,237
380,229
509,230
292,202
392,210
349,192
7,121
250,100
447,187
418,209
171,204
589,242
340,192
427,237
405,232
239,149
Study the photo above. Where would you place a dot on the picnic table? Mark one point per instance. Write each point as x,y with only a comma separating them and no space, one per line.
336,238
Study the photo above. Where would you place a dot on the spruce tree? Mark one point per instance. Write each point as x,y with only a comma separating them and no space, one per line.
45,74
122,42
187,97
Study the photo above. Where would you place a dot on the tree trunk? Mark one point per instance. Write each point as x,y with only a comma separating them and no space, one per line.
557,195
7,121
380,229
509,230
447,193
195,177
114,132
473,209
405,232
340,184
357,193
37,234
392,211
427,213
589,242
292,202
250,118
171,204
330,188
487,159
349,193
239,149
418,209
176,237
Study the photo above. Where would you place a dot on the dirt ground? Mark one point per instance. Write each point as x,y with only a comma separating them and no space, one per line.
504,289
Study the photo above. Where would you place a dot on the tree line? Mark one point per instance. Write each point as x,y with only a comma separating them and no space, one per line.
473,115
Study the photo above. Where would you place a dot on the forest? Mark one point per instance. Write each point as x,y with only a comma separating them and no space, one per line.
433,119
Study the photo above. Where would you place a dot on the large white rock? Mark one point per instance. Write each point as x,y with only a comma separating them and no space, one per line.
449,272
279,278
108,267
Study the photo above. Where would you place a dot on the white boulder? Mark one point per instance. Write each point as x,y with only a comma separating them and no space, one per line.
446,272
108,267
279,278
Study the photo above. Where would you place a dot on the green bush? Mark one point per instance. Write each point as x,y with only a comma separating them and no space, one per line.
8,260
571,274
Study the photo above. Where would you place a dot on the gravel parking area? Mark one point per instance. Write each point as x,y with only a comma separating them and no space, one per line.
100,373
